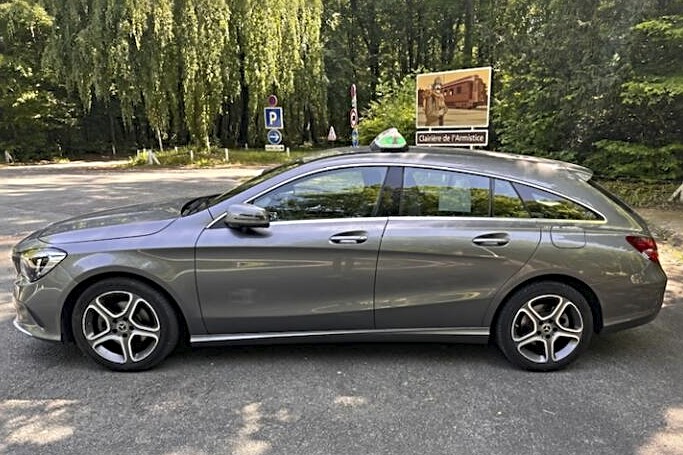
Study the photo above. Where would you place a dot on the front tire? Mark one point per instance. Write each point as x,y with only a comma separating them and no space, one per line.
544,326
124,324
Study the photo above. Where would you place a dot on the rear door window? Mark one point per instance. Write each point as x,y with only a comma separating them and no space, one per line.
435,192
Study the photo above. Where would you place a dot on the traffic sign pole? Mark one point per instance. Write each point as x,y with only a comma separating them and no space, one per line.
273,118
353,116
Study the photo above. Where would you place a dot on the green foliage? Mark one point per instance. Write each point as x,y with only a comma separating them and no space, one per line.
375,43
594,81
616,159
656,45
395,108
559,72
187,63
654,90
32,109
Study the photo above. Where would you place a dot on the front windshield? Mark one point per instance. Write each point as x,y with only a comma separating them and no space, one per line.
265,175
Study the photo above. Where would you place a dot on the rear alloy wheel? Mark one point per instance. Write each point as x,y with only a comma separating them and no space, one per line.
124,325
544,326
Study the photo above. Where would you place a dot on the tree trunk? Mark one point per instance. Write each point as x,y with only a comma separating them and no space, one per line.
243,133
161,145
112,132
469,32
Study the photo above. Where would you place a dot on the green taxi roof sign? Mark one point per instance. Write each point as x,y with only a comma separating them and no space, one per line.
389,141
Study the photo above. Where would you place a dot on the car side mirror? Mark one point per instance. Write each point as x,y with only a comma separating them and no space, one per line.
246,216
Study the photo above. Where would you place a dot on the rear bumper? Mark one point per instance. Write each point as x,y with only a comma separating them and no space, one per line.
615,327
634,305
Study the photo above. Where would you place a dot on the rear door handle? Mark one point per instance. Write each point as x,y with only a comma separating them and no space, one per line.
497,239
350,238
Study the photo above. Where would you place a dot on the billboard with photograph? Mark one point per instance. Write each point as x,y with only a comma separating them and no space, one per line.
459,98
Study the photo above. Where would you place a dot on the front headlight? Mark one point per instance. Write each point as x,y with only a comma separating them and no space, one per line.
36,263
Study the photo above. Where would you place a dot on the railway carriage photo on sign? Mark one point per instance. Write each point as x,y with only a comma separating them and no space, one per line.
457,98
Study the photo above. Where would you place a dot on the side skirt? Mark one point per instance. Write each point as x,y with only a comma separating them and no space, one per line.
478,335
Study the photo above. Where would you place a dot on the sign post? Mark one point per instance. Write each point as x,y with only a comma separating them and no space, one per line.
274,123
353,117
452,107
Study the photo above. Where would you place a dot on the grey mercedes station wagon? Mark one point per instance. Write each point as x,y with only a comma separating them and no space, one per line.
379,244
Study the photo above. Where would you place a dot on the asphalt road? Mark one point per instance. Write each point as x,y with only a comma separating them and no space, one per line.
624,396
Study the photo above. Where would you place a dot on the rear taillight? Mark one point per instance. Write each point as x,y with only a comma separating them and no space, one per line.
645,246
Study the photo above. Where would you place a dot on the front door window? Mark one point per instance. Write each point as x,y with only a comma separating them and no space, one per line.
338,193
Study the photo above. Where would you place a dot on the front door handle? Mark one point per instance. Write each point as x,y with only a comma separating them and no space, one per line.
349,238
497,239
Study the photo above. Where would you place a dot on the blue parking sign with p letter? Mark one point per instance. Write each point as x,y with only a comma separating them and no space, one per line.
273,117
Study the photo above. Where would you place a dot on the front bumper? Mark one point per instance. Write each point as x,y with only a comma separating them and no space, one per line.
41,319
34,330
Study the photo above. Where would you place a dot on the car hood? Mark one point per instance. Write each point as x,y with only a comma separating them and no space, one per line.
123,222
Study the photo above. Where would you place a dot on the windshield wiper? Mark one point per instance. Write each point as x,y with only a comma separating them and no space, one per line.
195,205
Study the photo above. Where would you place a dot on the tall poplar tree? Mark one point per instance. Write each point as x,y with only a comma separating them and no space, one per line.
185,64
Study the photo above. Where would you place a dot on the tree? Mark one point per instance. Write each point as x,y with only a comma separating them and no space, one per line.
395,108
656,85
651,147
582,80
559,70
33,112
188,64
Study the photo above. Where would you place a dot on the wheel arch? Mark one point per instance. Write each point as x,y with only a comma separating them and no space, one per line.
580,286
70,302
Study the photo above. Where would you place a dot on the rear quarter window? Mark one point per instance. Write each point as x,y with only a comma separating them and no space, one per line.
543,204
618,201
506,201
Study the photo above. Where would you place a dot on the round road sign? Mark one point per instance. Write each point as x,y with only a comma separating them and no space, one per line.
272,100
353,117
274,137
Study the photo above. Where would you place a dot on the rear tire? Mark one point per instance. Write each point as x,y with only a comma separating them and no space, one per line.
544,326
124,325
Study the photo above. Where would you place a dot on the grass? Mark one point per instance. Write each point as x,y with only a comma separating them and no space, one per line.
217,157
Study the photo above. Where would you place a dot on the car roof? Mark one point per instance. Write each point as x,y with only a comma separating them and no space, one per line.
543,172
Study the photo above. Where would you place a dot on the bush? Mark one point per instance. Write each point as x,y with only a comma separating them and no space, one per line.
643,194
638,162
395,108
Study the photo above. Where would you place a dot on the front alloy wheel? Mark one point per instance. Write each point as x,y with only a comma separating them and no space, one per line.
124,325
544,326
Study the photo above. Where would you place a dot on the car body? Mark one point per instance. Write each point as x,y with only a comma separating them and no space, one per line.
421,244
